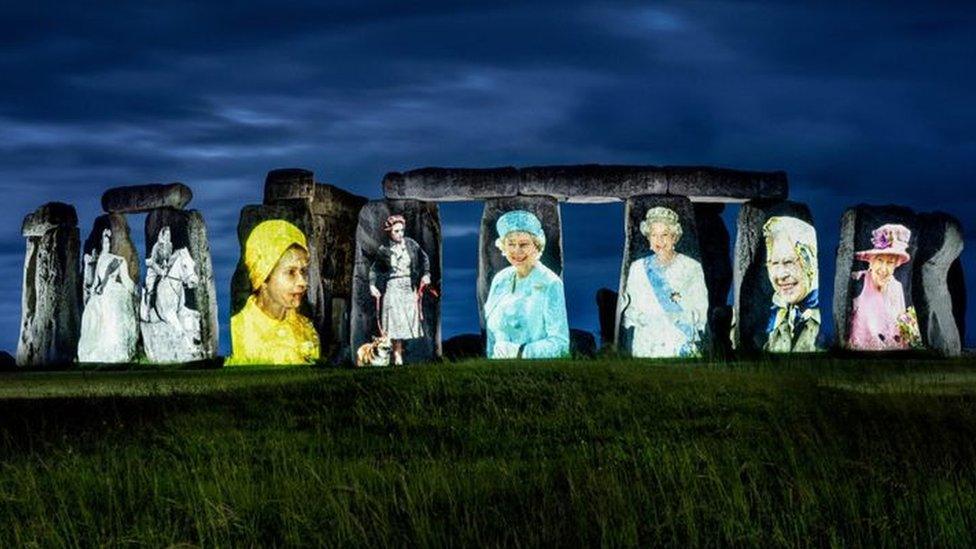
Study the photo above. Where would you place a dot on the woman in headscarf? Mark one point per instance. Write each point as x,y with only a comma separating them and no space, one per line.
879,319
791,264
397,276
269,329
666,301
108,322
525,312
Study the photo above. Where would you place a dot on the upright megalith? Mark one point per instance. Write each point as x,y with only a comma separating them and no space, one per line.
396,284
143,198
940,242
335,213
662,309
776,277
51,312
110,281
289,184
326,216
178,308
491,260
873,305
715,246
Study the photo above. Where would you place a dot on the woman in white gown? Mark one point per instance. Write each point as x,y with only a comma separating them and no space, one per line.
108,322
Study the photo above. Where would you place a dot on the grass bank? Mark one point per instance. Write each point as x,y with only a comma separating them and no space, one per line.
616,452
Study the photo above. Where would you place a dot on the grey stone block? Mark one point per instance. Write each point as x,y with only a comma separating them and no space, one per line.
705,184
715,246
289,184
451,184
606,304
142,198
47,217
51,301
753,290
857,224
940,242
188,230
422,227
592,183
637,247
491,260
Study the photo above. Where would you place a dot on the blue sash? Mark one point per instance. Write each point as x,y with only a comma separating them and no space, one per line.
663,292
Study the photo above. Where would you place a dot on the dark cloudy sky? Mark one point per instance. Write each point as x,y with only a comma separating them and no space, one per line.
858,103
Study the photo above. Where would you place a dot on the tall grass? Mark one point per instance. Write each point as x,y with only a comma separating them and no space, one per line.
603,452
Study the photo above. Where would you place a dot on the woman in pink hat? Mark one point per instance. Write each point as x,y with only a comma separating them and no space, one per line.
879,319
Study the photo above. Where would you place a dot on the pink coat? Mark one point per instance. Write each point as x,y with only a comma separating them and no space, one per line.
874,319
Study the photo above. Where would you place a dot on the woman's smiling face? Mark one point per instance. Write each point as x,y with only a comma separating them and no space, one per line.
521,251
882,268
288,282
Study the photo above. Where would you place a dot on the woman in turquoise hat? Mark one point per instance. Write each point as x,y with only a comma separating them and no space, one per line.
525,313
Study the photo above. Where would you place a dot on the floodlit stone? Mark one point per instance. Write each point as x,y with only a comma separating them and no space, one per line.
705,184
592,183
396,285
451,184
662,308
143,198
289,184
50,307
776,279
940,242
178,308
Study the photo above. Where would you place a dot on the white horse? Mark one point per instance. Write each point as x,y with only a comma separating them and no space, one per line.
168,305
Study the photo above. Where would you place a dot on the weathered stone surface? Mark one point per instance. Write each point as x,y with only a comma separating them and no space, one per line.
957,289
335,215
586,183
643,328
754,294
491,260
464,346
195,335
51,303
110,278
592,183
289,184
423,228
121,241
857,224
940,243
606,305
451,184
142,198
582,343
715,247
704,184
47,217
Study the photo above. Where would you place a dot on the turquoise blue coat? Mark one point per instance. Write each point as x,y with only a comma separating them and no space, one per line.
527,313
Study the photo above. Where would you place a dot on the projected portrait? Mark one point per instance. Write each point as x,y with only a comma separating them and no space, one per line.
880,319
170,326
399,278
791,264
665,302
108,321
525,311
269,329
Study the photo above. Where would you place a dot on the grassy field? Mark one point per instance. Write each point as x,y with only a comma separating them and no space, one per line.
611,452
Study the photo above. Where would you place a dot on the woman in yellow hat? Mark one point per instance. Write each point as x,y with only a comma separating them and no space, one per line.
269,329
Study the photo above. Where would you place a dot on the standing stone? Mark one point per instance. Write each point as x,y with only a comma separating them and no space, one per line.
940,243
300,215
606,306
178,310
405,302
336,214
714,243
289,184
110,279
50,313
777,305
663,314
891,325
143,198
957,289
491,260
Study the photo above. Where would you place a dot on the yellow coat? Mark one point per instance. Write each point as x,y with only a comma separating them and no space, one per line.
259,339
